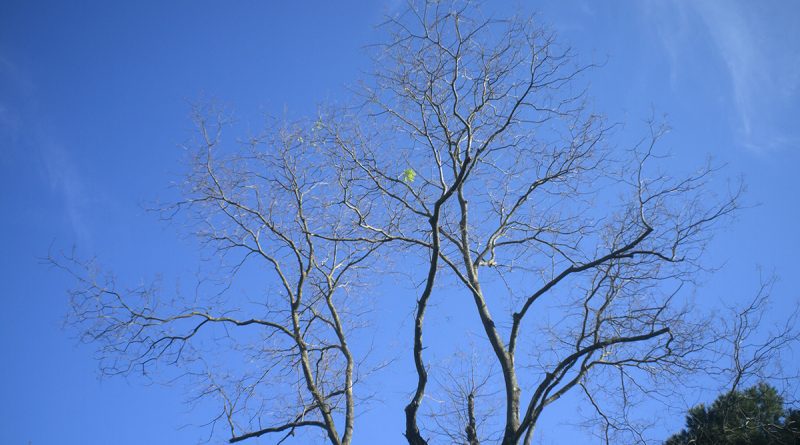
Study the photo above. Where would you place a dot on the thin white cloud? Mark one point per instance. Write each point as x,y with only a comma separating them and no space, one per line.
733,35
12,85
21,128
672,26
760,53
15,77
65,180
9,121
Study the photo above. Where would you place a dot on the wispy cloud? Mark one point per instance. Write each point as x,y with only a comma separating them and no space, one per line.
734,37
21,128
65,179
13,84
760,53
672,27
9,121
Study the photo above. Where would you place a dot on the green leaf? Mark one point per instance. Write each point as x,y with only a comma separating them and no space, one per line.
409,175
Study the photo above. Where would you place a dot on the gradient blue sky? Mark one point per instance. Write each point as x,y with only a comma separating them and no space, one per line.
93,104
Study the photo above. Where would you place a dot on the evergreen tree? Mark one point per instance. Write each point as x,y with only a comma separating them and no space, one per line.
755,416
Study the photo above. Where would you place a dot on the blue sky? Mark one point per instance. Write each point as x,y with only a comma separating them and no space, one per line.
94,103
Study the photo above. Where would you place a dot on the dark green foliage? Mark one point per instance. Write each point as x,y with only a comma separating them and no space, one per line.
755,416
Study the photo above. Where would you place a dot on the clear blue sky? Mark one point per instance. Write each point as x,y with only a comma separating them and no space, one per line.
93,104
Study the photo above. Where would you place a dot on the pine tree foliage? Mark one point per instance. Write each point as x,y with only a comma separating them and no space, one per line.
754,416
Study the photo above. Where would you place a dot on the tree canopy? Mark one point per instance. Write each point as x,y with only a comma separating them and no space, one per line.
754,416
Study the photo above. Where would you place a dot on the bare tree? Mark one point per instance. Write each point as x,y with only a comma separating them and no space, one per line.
485,155
467,402
473,151
754,350
755,401
268,202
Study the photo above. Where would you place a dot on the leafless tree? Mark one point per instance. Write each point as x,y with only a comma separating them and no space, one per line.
755,349
485,155
269,202
468,401
473,152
